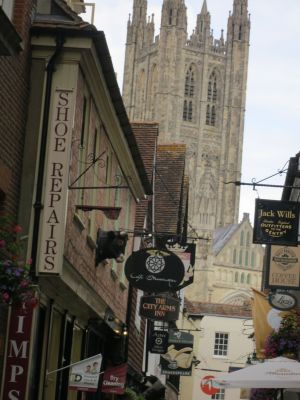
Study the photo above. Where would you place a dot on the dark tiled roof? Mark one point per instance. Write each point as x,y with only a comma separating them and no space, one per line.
146,136
169,187
215,309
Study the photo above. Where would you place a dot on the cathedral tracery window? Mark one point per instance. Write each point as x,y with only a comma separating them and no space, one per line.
212,97
252,259
189,90
170,16
240,32
153,89
234,256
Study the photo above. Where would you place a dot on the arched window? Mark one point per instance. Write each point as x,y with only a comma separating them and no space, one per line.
213,116
190,111
189,90
140,95
170,16
246,258
248,239
243,278
234,256
253,259
153,91
212,97
249,279
215,92
209,91
185,111
240,32
241,257
189,82
208,114
236,277
242,238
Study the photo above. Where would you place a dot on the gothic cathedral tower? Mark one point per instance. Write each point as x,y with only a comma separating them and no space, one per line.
195,87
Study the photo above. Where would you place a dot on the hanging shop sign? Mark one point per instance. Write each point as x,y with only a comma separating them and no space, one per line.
159,308
84,375
56,180
154,270
158,341
178,359
282,301
114,379
283,267
16,365
276,222
187,254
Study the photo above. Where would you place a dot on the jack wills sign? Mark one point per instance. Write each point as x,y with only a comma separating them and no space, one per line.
276,222
154,270
53,219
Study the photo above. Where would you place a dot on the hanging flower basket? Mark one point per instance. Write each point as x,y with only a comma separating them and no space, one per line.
16,285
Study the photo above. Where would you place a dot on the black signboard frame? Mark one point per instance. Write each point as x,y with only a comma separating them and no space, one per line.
276,222
268,260
182,343
159,308
154,270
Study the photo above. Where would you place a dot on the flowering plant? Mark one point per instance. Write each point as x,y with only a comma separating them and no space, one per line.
16,285
284,342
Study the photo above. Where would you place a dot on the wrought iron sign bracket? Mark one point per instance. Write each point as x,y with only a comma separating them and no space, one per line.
95,160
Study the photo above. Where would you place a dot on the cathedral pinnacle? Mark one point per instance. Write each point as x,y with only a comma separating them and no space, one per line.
204,8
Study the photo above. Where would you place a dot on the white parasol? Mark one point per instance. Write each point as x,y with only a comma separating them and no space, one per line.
274,373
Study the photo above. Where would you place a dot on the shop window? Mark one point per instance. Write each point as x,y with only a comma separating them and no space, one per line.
221,344
219,396
53,360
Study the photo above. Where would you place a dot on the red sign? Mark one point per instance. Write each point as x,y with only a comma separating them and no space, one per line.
114,379
17,354
207,385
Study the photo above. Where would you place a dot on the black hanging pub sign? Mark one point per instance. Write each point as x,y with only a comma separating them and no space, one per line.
276,222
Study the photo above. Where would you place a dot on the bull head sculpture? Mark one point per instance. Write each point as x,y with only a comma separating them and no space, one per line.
110,244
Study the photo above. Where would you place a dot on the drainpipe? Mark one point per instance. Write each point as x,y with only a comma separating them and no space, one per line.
38,206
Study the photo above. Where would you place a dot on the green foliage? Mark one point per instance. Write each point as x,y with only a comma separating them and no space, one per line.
130,394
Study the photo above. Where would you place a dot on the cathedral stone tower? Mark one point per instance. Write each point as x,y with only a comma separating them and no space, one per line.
195,87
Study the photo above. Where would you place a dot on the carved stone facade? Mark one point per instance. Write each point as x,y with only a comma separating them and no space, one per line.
195,88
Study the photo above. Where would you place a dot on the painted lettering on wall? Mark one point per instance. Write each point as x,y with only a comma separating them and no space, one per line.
56,183
17,353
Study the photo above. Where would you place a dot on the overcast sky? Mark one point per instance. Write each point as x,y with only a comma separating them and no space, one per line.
272,106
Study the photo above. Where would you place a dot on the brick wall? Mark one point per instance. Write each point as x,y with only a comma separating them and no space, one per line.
14,76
